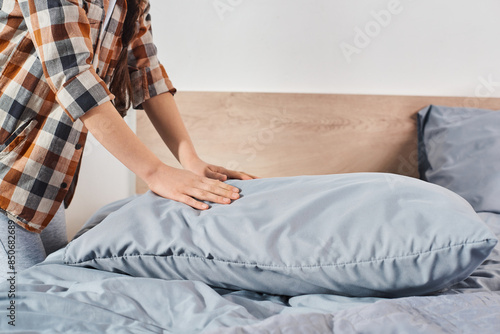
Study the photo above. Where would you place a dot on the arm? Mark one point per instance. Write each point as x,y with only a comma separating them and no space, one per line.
164,114
113,133
150,82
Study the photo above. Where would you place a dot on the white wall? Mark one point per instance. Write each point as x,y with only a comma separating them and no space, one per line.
428,48
447,47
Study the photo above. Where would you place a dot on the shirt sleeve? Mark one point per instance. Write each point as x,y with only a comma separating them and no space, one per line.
147,75
60,30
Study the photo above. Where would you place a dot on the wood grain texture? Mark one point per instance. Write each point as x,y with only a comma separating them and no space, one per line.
277,134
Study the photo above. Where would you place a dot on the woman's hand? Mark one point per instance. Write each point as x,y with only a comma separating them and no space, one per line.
199,181
180,185
186,187
199,167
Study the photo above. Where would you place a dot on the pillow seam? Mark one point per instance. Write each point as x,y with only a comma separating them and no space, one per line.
281,266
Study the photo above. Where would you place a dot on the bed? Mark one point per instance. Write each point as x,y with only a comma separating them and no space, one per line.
374,214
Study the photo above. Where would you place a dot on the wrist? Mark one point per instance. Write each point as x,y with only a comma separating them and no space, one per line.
149,174
189,161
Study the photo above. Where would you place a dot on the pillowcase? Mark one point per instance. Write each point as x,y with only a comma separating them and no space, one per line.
102,213
362,234
459,149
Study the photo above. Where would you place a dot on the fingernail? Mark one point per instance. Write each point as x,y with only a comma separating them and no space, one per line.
236,190
227,200
235,195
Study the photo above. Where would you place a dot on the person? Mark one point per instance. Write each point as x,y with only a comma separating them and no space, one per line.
69,67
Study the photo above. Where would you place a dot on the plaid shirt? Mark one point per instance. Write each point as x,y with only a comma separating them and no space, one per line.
49,77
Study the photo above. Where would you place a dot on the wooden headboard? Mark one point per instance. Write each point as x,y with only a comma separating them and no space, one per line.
278,134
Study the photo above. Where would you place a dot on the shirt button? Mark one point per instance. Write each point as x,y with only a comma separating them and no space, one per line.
78,146
64,185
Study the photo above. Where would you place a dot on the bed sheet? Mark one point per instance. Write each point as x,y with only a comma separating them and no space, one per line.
487,276
54,298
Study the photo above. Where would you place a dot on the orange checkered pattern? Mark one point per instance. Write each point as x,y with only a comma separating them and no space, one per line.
54,67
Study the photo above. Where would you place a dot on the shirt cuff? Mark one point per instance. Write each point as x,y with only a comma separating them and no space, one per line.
148,82
82,93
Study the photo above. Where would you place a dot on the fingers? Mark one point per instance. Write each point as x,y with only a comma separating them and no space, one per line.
239,175
222,174
216,175
246,176
192,202
206,189
193,189
208,196
220,188
193,196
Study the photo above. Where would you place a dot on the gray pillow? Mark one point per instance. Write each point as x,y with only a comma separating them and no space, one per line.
363,234
102,213
459,149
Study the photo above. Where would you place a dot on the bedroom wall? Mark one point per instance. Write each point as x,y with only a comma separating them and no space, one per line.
425,47
395,47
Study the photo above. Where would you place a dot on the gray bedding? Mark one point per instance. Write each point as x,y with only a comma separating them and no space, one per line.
357,234
56,298
454,144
